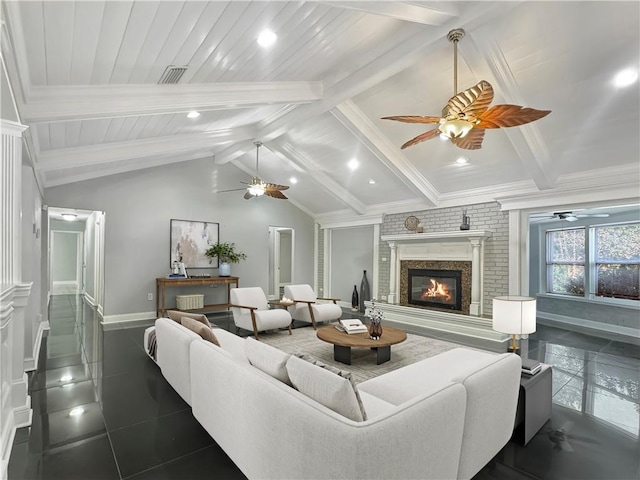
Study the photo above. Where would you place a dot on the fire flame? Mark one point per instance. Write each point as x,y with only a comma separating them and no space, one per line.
437,290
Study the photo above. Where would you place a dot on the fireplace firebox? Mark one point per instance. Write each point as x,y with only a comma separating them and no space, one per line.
435,288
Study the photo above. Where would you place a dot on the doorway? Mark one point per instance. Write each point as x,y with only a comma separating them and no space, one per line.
281,259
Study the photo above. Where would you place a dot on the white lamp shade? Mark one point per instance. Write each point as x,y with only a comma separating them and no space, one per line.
514,315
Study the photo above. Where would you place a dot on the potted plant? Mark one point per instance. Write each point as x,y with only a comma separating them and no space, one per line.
227,254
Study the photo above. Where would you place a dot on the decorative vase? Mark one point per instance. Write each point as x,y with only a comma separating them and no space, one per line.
224,270
355,302
465,220
365,294
375,329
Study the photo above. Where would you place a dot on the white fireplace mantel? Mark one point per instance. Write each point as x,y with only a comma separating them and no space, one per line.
459,245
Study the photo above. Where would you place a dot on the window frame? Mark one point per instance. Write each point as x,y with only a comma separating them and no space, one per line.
549,263
590,266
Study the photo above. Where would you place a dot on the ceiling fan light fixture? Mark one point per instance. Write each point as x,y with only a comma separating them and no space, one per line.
256,190
571,218
455,128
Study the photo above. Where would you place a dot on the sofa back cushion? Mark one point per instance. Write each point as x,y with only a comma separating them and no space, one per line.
327,385
200,328
268,359
177,315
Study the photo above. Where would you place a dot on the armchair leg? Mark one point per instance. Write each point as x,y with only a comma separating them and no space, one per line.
290,327
255,327
313,319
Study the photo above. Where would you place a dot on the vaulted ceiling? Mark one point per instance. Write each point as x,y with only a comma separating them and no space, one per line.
85,79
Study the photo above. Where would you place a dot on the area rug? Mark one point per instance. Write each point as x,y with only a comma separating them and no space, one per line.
363,360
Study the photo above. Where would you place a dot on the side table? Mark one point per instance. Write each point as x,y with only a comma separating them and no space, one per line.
534,404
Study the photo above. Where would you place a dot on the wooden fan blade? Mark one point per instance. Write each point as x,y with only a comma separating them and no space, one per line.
275,186
275,194
509,116
471,141
421,138
232,190
413,119
248,196
471,103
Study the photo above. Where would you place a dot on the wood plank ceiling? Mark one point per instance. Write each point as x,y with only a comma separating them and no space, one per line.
85,78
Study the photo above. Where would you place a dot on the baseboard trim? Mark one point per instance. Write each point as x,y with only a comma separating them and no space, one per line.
31,363
610,332
128,317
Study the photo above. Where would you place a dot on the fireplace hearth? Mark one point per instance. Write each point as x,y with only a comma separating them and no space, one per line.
435,288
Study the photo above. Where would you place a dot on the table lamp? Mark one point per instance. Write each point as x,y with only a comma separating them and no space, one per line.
514,315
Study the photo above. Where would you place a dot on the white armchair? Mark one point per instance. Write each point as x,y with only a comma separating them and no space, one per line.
251,311
306,308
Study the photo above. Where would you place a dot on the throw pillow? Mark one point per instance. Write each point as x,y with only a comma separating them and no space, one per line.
200,328
327,385
268,359
177,316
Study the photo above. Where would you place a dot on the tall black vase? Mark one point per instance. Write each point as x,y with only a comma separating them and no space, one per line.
355,302
365,293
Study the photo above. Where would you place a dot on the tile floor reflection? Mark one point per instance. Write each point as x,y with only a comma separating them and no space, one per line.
102,410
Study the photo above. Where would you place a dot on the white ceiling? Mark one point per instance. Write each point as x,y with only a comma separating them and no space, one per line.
85,75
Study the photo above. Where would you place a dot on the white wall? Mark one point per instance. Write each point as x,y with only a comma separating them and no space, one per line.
351,254
139,206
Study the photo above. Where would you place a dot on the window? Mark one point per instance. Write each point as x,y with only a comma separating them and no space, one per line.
565,261
596,261
617,261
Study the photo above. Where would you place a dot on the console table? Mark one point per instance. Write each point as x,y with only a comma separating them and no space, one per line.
163,283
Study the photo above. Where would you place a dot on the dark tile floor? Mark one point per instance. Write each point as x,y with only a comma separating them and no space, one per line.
102,410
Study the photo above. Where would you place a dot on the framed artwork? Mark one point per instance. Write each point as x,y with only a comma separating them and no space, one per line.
189,241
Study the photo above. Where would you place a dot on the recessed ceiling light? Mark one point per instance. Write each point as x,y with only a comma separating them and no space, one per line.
76,411
372,182
462,160
353,164
267,38
69,217
66,378
293,180
193,114
625,77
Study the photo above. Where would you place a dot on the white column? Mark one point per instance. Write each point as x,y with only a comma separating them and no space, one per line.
518,253
476,271
393,274
20,400
15,404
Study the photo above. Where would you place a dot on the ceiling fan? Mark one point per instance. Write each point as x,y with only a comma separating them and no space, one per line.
258,187
567,216
467,114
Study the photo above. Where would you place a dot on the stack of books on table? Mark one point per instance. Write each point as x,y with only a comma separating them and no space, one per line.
351,325
530,367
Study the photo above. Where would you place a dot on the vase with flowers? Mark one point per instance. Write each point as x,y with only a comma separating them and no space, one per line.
375,316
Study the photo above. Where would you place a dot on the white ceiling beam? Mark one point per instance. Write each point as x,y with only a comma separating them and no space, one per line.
189,144
366,132
286,152
526,139
82,102
115,168
422,13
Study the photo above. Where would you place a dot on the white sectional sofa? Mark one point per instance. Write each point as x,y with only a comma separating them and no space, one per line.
443,418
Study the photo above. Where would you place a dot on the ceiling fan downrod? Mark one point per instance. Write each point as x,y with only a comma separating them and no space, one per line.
455,36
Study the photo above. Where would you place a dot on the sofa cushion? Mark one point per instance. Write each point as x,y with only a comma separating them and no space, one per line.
177,315
200,328
268,359
327,385
231,343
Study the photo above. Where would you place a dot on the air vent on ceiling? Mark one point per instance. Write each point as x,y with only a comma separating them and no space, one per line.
172,74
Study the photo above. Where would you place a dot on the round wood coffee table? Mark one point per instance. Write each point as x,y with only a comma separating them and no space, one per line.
343,342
